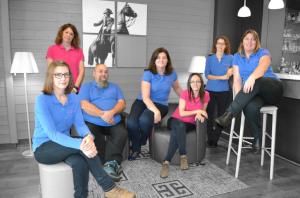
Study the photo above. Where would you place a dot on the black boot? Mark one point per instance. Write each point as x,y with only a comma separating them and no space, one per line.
225,119
256,146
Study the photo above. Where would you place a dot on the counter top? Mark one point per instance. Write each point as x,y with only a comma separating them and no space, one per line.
288,76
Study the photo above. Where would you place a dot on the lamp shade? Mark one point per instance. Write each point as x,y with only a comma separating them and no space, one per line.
244,11
276,4
23,62
197,64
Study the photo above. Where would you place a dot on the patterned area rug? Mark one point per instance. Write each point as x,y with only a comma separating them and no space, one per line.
142,177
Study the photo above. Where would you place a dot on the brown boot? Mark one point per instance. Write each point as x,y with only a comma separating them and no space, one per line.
118,192
164,173
184,162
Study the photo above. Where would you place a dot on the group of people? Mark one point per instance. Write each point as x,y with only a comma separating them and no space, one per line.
95,108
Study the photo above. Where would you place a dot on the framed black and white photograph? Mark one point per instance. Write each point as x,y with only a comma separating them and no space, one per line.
99,49
131,18
98,16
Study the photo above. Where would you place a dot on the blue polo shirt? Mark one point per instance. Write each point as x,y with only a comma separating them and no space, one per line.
104,99
217,68
53,121
160,86
247,66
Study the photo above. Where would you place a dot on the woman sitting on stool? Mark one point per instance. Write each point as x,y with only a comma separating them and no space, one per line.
192,107
56,109
254,84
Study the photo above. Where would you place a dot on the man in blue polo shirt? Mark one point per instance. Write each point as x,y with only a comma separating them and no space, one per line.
102,102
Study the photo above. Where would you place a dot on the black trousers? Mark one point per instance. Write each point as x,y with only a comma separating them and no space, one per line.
218,103
110,141
266,91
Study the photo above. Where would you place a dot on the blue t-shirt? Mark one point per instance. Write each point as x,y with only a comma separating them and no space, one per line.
104,99
216,68
160,86
53,121
247,66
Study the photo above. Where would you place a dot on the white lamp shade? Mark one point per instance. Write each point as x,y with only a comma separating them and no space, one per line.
244,12
197,64
24,62
276,4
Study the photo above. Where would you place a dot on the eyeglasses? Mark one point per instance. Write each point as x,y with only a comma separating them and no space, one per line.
220,43
195,82
60,75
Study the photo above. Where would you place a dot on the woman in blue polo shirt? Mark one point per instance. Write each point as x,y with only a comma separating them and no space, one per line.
254,84
151,104
56,110
217,71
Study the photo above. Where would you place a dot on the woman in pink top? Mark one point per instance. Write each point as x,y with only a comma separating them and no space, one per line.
192,107
67,49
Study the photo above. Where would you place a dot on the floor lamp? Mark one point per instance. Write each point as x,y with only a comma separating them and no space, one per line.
24,63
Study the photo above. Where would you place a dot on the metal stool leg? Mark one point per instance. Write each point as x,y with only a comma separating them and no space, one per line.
230,141
263,142
240,145
274,121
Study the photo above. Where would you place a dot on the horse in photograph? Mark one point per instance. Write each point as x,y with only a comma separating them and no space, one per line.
126,18
100,48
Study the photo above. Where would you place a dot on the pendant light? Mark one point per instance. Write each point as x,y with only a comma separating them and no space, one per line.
244,11
276,4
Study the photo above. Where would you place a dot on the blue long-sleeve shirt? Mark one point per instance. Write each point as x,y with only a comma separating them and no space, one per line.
217,68
53,121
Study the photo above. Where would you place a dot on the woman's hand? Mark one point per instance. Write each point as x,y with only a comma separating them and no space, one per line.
88,146
201,115
249,84
157,117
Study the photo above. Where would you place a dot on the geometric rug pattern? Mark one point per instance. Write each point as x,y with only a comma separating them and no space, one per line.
142,177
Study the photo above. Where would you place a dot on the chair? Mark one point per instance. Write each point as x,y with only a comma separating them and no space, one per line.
160,137
245,143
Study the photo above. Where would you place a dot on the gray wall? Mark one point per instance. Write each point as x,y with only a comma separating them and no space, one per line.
183,27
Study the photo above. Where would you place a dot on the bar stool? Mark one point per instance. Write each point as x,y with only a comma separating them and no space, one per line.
245,143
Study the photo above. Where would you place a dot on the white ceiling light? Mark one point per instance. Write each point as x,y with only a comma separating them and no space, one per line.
244,11
276,4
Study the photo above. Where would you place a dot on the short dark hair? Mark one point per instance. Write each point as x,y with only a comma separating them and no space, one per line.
76,40
48,84
152,66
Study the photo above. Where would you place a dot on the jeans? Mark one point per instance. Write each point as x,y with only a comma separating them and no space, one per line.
110,141
140,122
53,153
266,91
178,137
216,107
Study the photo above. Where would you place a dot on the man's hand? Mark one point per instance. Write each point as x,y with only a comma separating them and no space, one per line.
108,117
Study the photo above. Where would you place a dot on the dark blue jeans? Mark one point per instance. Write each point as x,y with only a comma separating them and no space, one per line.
266,91
53,153
140,122
109,148
178,137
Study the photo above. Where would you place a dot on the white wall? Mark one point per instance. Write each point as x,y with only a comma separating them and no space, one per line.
185,28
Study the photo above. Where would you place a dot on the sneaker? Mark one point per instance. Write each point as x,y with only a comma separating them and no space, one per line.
184,162
118,192
113,169
133,155
164,173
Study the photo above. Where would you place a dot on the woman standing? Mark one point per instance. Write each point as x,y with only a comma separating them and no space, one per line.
152,103
67,49
55,112
254,84
217,71
192,106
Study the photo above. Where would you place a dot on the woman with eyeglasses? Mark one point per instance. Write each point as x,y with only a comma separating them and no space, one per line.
218,71
67,48
192,107
56,110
